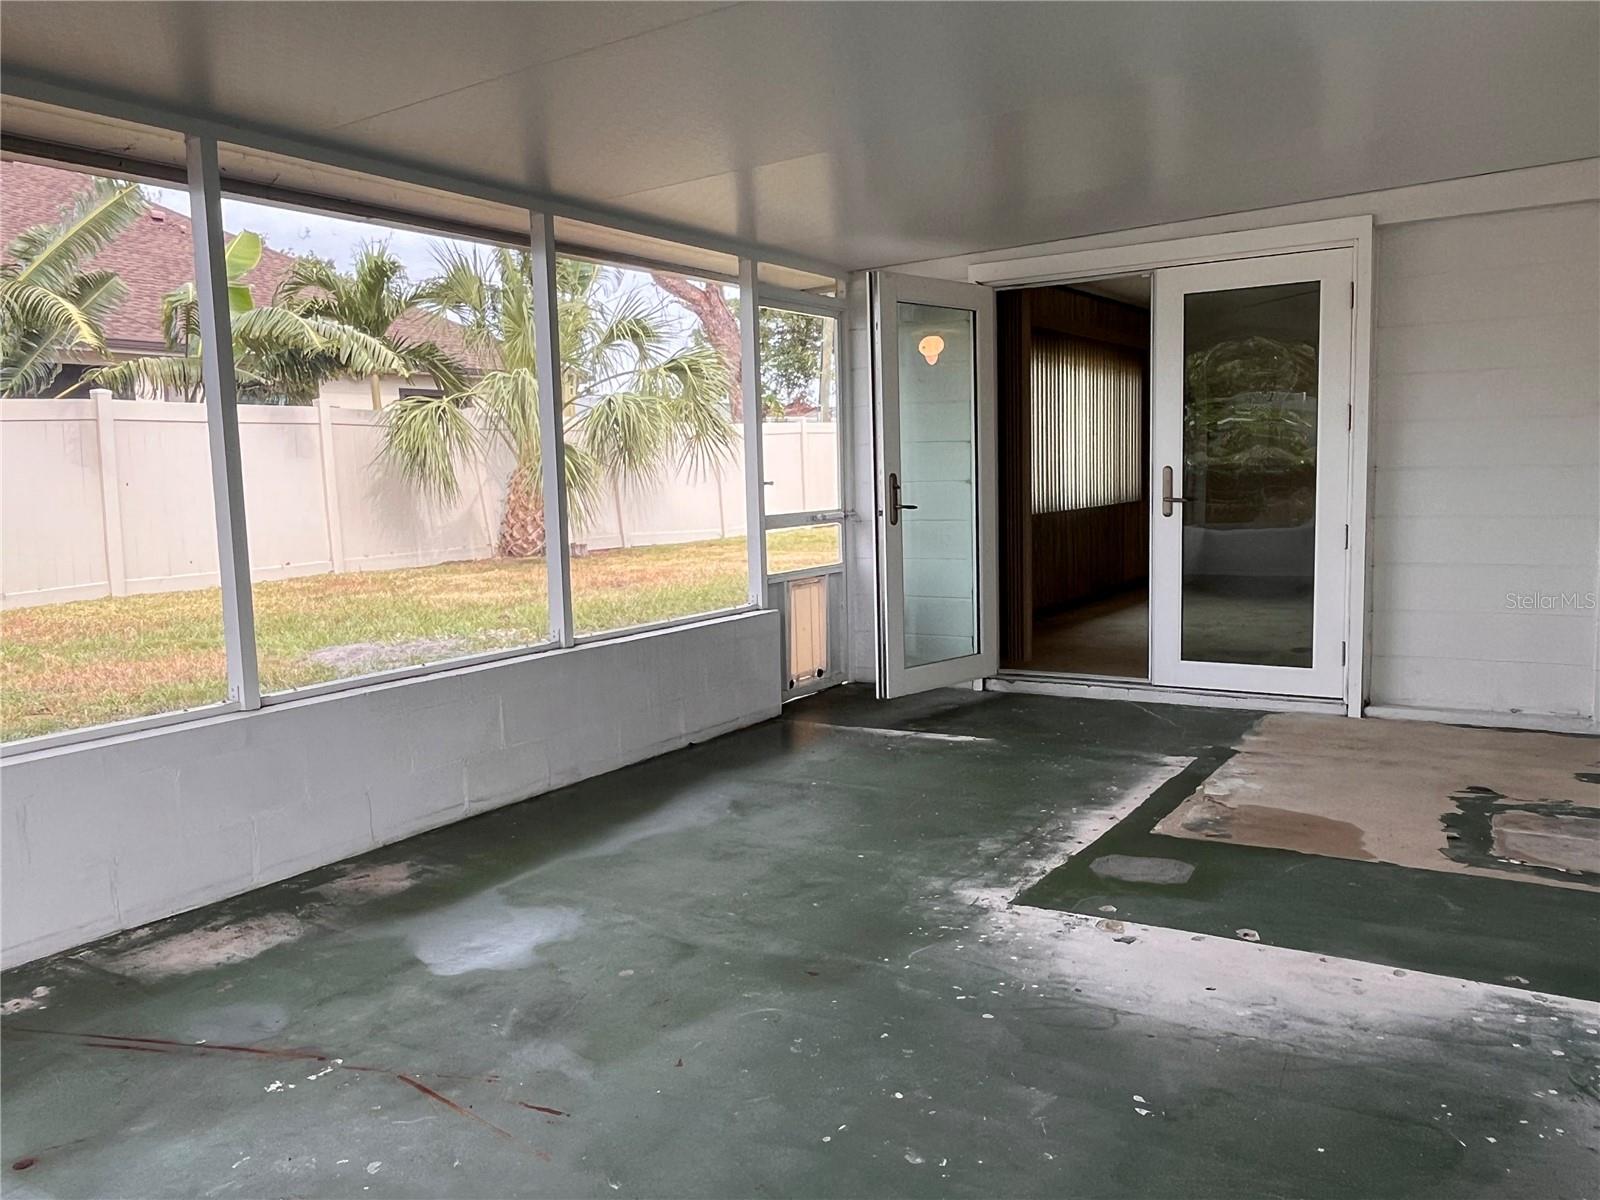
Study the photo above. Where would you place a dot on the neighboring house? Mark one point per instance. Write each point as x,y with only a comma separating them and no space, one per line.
155,255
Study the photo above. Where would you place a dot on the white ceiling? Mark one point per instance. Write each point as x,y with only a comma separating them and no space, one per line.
863,134
1130,289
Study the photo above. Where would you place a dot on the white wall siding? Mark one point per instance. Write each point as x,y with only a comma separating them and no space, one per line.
108,836
1486,453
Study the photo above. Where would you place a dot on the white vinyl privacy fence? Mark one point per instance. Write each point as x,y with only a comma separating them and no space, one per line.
110,497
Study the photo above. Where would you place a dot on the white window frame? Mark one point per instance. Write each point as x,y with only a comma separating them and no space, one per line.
811,304
203,179
831,308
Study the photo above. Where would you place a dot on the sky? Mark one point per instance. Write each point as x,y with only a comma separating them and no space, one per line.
297,232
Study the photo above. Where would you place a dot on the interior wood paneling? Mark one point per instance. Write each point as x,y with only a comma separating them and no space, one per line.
1087,553
1053,559
1015,430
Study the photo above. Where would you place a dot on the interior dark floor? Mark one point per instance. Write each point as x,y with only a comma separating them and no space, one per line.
787,962
1102,637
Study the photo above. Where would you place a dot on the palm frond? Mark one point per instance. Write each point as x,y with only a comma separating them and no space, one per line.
30,349
273,328
180,317
585,479
307,275
509,401
426,439
161,375
96,293
48,255
356,351
426,358
627,433
29,306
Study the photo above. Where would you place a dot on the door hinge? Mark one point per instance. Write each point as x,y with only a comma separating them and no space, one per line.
1347,537
1352,293
1349,416
1342,646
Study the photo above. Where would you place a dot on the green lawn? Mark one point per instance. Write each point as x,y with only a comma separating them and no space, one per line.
65,666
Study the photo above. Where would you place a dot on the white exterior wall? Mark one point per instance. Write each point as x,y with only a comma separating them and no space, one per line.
1486,458
1485,454
107,836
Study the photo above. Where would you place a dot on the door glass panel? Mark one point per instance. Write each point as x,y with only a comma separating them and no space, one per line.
799,411
1250,474
938,410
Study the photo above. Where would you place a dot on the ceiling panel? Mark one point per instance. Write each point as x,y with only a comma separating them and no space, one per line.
872,133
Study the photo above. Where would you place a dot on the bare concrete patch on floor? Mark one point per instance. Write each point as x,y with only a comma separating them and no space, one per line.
1562,843
1261,825
1407,793
358,883
1132,868
34,999
1553,839
202,949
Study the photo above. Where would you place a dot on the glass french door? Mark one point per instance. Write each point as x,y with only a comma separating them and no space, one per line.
934,377
1250,457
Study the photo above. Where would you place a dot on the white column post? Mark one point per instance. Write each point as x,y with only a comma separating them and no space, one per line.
547,348
332,512
755,500
110,490
222,419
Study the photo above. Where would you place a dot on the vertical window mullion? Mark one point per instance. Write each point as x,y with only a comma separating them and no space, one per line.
222,420
547,338
755,501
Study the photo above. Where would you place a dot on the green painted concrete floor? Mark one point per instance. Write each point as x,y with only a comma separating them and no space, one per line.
785,963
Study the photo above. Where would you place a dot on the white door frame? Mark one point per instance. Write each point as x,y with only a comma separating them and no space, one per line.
1325,676
1076,266
894,677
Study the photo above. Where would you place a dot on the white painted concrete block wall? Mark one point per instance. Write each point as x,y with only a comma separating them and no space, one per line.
1486,452
109,836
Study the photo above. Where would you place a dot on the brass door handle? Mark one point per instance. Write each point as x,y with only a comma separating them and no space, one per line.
1167,498
895,507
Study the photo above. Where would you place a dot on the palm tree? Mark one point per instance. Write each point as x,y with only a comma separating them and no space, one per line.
372,298
48,302
323,324
634,403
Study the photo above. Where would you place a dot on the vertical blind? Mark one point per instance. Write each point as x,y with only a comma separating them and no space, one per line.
1088,423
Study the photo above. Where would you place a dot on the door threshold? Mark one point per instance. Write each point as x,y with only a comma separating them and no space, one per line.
1035,683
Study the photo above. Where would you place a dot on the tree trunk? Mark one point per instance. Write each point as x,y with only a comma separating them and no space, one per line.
720,325
377,391
522,525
